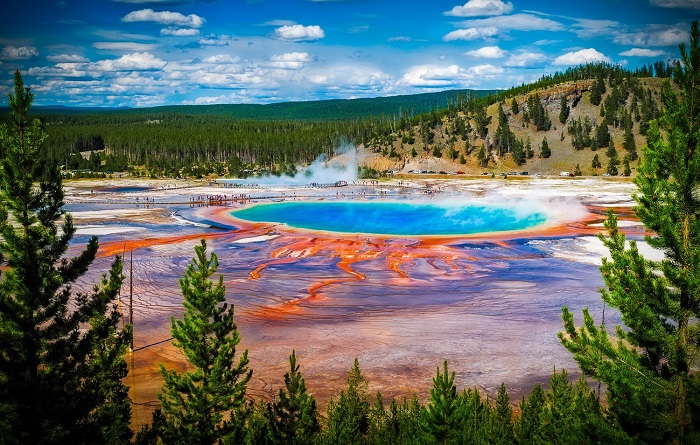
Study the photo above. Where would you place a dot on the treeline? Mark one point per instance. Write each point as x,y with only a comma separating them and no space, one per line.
162,141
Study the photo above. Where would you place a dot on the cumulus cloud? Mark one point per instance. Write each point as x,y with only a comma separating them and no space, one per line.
131,62
470,34
642,52
299,33
125,46
67,58
179,32
525,59
654,35
221,59
292,61
516,22
18,52
487,52
580,57
164,17
476,8
684,4
433,76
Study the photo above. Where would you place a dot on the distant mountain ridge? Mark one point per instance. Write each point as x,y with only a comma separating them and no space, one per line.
333,109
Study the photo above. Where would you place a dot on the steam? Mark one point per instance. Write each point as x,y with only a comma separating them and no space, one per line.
341,167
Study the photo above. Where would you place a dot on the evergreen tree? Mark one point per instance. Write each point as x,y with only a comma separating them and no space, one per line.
61,355
519,154
482,157
577,170
529,152
650,370
348,417
527,428
294,414
441,417
564,113
596,162
629,144
514,107
596,95
502,431
626,170
545,151
208,404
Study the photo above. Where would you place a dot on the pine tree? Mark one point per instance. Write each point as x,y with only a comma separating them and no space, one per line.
441,417
207,404
514,107
294,414
61,355
564,113
596,95
348,417
626,170
596,162
545,151
629,144
577,170
527,428
502,431
650,369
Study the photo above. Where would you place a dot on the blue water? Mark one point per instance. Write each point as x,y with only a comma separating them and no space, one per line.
392,218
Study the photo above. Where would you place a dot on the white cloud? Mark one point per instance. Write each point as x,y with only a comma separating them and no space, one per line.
432,76
125,46
642,52
470,34
517,22
67,58
131,62
525,59
654,35
164,17
299,33
487,52
222,59
179,32
292,61
400,39
587,28
684,4
580,57
18,52
545,42
214,40
279,23
476,8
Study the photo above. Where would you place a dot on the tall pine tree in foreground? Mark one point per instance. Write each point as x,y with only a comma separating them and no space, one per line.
61,354
294,414
650,367
206,405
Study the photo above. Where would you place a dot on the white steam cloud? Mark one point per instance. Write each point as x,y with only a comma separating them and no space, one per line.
323,171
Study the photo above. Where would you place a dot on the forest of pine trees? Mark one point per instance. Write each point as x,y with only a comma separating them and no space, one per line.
62,353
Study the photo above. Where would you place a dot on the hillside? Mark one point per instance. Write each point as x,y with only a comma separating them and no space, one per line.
452,140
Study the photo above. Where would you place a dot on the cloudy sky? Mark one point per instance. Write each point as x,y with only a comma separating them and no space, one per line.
142,53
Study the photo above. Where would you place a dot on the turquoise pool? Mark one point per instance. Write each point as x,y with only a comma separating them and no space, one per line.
393,218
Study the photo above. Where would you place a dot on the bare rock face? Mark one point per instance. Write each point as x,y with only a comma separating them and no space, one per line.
551,97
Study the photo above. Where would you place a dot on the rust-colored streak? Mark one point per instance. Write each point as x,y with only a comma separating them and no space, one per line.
118,247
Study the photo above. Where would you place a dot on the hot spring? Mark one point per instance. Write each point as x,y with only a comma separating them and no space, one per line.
393,218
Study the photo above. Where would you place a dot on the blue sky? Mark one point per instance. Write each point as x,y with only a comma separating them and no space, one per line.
142,53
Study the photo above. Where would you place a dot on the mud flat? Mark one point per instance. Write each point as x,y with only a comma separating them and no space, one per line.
489,304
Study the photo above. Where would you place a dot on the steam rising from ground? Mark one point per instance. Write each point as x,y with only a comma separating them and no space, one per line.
341,167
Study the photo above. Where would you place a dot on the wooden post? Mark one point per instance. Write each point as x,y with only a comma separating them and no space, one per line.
131,297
